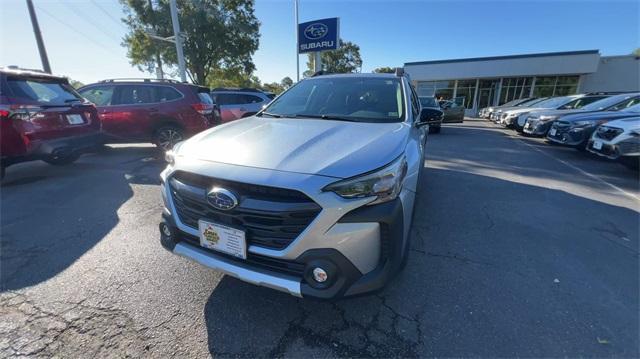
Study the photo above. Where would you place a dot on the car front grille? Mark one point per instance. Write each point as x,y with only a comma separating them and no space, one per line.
608,133
271,217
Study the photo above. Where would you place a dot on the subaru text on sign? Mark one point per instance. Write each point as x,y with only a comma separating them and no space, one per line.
318,35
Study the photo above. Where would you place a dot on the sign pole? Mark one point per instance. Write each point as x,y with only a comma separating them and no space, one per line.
176,32
317,62
297,43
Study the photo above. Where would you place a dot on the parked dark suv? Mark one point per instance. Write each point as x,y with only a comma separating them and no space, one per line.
144,110
43,118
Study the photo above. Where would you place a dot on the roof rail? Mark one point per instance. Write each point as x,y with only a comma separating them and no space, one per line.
243,89
132,79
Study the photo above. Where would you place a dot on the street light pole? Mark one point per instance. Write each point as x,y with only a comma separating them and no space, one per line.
297,43
178,39
36,31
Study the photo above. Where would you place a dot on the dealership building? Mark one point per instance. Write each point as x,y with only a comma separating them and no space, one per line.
484,81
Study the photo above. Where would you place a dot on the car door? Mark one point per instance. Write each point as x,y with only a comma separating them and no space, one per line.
130,115
229,106
252,104
455,111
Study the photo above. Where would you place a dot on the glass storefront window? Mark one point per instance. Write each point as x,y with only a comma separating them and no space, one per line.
465,91
515,88
556,86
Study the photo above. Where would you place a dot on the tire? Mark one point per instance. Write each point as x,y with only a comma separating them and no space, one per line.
434,129
62,161
166,137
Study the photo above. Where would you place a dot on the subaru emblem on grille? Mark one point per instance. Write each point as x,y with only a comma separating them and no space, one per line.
222,199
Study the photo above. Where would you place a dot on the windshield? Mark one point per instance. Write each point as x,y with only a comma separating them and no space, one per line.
429,102
532,101
635,108
362,99
43,91
554,102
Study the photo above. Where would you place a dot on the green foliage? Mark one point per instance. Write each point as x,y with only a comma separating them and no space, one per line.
385,70
636,52
220,36
74,83
345,59
277,88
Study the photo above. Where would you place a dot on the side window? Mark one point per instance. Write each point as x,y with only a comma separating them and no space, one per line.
99,95
251,99
225,99
135,95
166,93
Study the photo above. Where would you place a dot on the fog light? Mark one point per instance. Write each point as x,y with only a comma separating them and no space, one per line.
165,230
319,275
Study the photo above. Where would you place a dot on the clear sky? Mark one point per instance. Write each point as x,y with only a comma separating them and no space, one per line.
83,36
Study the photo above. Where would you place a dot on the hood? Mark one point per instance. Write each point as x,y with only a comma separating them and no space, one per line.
627,124
312,146
556,113
519,110
596,116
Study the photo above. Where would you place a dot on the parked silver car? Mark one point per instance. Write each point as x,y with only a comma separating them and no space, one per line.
312,196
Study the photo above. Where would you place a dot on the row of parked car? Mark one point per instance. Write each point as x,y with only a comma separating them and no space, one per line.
42,117
607,124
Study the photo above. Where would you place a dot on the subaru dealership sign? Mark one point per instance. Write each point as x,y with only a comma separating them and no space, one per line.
318,35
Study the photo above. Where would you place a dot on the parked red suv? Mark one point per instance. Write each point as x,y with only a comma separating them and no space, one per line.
43,117
147,110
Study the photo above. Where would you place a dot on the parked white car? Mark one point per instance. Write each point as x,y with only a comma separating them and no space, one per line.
619,139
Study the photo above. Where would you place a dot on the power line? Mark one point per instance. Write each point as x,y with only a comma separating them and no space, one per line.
74,30
109,15
82,16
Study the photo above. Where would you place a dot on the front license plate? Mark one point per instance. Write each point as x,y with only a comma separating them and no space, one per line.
75,119
597,145
552,132
223,239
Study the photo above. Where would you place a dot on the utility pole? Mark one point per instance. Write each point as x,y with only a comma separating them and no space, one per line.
36,31
178,39
297,42
159,73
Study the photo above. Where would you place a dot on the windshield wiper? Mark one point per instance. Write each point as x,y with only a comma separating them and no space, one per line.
329,117
269,114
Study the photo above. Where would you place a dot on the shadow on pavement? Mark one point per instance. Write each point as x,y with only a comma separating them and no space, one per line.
52,215
497,268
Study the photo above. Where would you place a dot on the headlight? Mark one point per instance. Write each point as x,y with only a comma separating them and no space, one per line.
384,183
582,123
547,118
170,155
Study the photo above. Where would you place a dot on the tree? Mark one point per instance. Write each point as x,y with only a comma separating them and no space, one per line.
74,83
286,83
385,70
636,52
343,60
220,36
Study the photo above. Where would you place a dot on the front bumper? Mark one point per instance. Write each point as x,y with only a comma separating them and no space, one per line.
536,127
361,244
627,147
570,136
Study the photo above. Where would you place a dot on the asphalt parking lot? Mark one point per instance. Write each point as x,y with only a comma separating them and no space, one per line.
519,248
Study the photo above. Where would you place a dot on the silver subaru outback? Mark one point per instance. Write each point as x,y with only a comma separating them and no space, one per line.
312,196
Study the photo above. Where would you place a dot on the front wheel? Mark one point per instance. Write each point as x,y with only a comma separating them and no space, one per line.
167,136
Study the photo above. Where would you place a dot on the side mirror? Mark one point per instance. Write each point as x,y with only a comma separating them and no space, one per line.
429,116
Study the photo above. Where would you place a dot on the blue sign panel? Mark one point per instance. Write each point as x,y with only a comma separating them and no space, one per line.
318,35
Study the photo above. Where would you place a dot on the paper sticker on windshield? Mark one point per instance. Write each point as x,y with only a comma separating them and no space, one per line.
393,114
